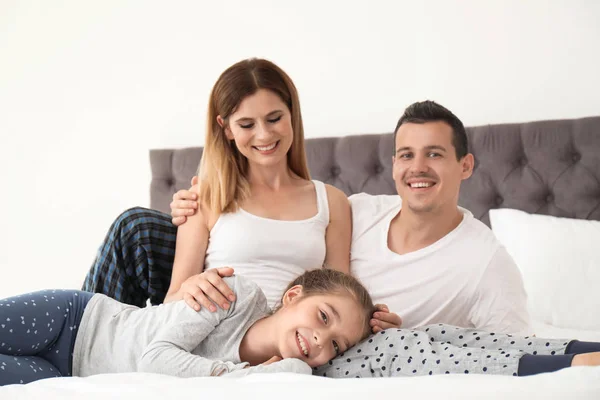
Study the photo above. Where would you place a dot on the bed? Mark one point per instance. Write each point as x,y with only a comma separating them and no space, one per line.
536,184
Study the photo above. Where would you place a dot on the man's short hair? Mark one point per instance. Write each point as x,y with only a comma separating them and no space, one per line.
430,111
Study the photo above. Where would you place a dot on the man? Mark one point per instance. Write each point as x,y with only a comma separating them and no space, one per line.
429,260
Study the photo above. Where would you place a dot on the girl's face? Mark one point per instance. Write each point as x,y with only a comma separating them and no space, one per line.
317,328
261,128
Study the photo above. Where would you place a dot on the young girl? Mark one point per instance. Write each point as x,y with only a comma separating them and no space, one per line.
73,333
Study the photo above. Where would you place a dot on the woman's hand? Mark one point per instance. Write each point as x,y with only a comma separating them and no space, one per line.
203,289
383,319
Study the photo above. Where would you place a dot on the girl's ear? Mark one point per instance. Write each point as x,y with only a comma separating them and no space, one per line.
293,293
222,124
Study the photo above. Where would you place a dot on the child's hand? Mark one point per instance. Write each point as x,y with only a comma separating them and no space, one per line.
384,319
272,360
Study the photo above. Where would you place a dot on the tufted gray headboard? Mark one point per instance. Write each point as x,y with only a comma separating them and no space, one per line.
544,167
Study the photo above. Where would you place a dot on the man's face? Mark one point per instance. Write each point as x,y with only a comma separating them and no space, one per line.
426,171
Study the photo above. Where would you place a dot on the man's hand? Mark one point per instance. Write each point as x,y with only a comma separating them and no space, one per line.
185,203
384,319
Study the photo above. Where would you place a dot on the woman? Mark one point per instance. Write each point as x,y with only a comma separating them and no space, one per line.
259,212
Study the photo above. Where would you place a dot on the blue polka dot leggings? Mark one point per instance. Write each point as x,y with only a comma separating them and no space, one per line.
37,334
444,349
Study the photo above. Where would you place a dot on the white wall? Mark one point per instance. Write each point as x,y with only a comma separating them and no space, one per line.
87,87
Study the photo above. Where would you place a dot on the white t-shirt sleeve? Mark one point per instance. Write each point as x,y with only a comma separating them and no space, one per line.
170,351
500,298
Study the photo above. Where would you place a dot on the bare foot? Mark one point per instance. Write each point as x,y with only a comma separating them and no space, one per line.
588,359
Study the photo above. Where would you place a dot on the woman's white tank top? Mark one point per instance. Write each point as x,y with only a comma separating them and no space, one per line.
270,252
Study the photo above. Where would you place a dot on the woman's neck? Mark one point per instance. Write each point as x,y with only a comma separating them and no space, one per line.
272,177
259,344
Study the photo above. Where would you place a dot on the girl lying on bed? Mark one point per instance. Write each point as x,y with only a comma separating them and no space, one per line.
57,333
323,313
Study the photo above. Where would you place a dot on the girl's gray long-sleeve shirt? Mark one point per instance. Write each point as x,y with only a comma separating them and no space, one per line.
171,338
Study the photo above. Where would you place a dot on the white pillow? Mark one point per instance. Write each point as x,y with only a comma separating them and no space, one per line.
559,259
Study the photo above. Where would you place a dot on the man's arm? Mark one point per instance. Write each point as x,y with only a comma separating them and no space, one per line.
500,303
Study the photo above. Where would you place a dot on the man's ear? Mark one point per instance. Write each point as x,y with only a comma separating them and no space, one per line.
222,124
292,294
467,164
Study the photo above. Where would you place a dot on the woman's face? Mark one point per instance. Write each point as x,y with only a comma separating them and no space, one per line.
317,328
262,129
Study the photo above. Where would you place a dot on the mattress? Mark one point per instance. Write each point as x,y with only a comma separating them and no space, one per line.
572,383
544,330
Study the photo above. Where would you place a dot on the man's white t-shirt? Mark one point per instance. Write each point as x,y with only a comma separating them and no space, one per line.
465,279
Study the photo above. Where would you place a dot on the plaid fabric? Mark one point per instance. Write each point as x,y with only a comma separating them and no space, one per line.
135,261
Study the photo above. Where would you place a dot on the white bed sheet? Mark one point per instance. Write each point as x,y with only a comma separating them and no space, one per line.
543,330
573,383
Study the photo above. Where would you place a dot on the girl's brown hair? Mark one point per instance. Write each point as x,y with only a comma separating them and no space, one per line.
223,169
328,281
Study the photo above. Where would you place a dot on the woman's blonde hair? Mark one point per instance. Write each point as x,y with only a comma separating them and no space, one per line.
223,170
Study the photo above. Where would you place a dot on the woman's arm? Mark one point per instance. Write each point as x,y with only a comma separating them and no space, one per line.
188,282
190,251
339,238
339,231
